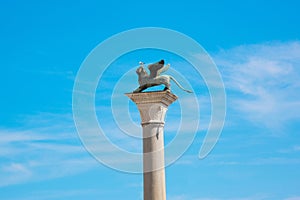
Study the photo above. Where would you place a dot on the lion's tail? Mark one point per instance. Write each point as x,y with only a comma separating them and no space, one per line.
173,79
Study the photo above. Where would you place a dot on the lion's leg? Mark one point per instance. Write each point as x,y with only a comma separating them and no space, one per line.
140,89
136,90
167,86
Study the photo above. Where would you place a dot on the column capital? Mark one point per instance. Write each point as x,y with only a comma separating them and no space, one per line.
164,97
152,105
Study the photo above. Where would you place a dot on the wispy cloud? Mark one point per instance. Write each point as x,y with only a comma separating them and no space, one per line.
46,147
293,198
262,81
178,197
59,194
251,197
291,149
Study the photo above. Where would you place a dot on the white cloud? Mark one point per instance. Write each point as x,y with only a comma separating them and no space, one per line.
177,197
292,198
262,81
252,197
237,160
14,173
59,194
46,147
16,168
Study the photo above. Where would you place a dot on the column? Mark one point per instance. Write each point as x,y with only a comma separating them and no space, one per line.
153,107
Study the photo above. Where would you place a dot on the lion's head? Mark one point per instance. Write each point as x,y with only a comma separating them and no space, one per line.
141,71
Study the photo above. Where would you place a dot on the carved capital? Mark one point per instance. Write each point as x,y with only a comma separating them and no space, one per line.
152,105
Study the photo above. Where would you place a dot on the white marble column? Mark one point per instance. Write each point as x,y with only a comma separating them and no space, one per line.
153,107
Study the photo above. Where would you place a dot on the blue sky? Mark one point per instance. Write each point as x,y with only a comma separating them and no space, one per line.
255,45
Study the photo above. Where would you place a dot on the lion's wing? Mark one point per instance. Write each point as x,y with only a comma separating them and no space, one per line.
162,70
155,70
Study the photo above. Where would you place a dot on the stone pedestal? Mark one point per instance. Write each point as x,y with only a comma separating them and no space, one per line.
153,107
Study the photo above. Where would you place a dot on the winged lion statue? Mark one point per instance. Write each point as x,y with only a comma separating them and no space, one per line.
154,78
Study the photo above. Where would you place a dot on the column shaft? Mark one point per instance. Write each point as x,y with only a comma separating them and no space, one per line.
153,159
